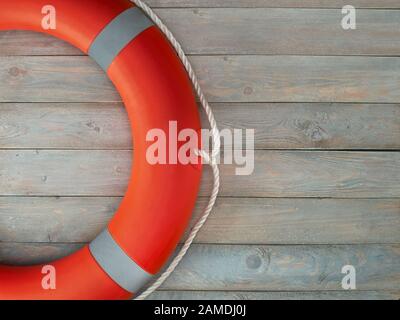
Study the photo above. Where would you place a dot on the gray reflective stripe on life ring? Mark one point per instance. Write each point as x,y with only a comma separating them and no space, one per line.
117,34
117,264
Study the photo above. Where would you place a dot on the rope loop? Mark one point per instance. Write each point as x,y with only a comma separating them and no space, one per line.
210,159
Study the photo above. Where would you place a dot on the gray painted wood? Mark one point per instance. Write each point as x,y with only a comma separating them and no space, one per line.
283,31
53,79
290,267
34,253
302,221
276,174
224,78
277,126
299,79
64,126
54,219
260,30
316,174
60,172
275,3
14,42
256,268
244,295
234,221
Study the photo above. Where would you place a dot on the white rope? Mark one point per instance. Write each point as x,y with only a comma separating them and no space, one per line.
210,159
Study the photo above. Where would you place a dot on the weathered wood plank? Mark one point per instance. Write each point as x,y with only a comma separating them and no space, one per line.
283,31
271,31
277,126
244,295
276,174
301,221
64,126
50,172
234,221
299,79
34,253
289,267
257,268
14,42
53,79
316,174
44,219
274,3
224,78
325,126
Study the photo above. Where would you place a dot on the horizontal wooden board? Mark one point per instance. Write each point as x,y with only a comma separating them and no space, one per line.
299,79
276,174
277,126
64,126
252,31
275,3
34,253
301,221
224,78
13,42
290,267
233,221
315,174
284,31
283,295
45,219
257,268
40,172
53,79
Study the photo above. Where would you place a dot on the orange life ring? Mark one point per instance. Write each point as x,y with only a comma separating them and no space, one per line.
160,198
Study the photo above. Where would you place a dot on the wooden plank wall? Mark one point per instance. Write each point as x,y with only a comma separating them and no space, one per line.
325,104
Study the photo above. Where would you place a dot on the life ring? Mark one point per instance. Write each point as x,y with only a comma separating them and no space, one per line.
160,198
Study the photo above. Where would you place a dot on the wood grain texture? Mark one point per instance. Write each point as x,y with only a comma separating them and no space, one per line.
13,43
53,79
271,31
283,31
245,295
276,174
275,3
34,253
234,221
316,174
299,79
289,267
64,126
277,126
224,78
256,268
81,172
302,221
